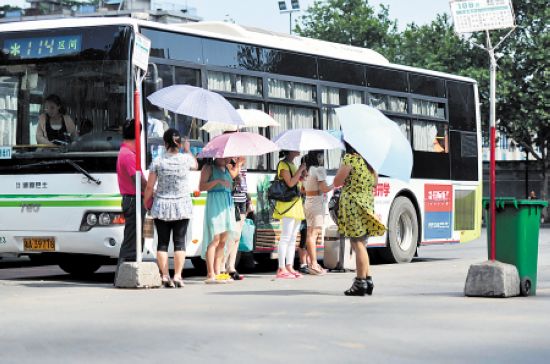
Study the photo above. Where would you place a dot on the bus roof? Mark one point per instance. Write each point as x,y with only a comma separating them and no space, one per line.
242,34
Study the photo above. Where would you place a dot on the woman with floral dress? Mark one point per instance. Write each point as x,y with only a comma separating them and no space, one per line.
356,219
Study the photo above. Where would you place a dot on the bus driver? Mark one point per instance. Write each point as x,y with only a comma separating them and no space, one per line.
54,125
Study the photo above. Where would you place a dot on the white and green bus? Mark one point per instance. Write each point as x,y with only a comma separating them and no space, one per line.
62,201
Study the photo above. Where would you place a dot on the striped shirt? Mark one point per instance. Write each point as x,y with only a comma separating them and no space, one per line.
240,190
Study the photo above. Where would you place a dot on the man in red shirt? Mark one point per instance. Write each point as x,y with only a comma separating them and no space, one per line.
126,174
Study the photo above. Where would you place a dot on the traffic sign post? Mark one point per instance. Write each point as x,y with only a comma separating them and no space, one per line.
140,59
491,278
484,15
139,274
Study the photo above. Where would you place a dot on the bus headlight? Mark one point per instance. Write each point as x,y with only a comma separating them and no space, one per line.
104,219
101,218
91,219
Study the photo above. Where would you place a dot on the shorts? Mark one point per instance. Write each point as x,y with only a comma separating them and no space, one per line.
240,209
314,211
178,229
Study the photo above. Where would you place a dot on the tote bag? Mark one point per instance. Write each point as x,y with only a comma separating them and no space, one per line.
246,244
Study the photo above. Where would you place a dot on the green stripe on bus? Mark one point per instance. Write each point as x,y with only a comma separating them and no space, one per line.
79,196
60,203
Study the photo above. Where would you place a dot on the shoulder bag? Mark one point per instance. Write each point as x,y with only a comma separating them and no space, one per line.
279,190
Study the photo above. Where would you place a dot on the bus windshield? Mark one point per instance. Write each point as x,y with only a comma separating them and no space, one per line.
88,85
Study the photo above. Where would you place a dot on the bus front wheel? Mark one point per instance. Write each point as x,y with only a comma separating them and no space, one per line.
199,264
402,232
80,266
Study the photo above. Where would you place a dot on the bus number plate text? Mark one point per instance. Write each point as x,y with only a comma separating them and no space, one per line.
39,244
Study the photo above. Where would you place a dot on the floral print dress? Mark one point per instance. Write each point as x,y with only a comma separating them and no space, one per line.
356,207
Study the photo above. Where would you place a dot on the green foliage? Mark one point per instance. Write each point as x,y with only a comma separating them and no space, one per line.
522,78
352,22
524,99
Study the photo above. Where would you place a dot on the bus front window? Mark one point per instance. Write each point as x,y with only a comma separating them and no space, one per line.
62,106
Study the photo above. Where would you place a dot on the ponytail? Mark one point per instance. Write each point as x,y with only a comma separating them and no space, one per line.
172,139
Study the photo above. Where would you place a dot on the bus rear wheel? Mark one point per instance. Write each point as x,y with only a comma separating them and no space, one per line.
80,266
402,232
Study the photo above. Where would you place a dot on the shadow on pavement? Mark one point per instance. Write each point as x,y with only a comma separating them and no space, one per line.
274,293
427,260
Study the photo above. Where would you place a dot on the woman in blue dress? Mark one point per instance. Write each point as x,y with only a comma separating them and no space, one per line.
219,216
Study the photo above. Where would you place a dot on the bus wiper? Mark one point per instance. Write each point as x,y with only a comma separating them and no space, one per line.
61,161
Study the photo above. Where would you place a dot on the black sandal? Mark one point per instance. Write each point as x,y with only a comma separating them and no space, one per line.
167,282
236,276
358,288
370,285
178,283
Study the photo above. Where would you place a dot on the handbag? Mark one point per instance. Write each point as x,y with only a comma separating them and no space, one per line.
334,205
148,226
279,190
246,244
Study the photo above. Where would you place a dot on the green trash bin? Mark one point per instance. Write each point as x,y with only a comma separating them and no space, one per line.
517,237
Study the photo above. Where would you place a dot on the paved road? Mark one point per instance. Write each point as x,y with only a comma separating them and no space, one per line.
417,314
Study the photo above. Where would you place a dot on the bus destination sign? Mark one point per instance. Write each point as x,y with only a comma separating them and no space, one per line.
42,47
478,15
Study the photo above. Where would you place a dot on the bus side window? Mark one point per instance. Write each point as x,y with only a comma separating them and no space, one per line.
430,136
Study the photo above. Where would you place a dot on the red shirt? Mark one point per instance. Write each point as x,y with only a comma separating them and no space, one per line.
126,169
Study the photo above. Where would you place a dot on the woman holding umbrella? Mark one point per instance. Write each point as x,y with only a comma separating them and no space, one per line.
356,219
290,213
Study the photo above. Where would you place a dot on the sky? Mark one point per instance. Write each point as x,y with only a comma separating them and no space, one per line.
265,13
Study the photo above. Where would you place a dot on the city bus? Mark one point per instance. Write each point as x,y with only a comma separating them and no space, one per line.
62,200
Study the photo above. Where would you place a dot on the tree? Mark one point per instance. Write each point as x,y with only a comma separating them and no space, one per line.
352,22
522,92
523,95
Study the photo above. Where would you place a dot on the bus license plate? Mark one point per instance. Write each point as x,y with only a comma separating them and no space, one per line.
39,244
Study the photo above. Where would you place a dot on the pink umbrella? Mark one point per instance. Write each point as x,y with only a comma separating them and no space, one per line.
236,145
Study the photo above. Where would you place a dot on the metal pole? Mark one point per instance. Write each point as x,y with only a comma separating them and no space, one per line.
526,174
138,171
492,123
290,22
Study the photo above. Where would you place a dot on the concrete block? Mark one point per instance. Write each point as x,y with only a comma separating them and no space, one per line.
138,275
492,279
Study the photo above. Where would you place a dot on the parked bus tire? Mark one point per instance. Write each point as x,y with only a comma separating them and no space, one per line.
80,266
402,232
199,264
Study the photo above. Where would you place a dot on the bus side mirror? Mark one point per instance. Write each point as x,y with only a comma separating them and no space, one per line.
152,81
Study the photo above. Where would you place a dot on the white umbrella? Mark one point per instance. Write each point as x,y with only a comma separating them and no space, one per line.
302,140
252,118
196,102
378,139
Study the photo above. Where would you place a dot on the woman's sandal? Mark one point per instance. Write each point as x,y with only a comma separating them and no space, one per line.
370,285
318,271
285,275
167,282
222,278
236,276
178,283
358,288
